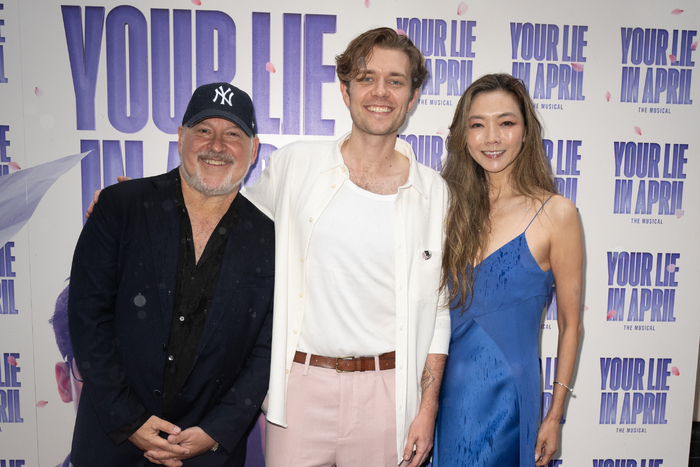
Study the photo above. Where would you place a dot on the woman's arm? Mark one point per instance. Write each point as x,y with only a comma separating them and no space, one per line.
566,259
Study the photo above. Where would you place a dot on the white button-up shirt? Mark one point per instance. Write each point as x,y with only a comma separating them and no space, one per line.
294,189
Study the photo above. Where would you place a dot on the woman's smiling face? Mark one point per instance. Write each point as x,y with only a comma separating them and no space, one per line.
496,130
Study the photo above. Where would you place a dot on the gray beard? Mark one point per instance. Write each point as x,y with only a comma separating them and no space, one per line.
196,183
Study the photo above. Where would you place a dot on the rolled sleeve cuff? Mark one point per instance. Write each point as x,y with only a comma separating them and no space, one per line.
441,336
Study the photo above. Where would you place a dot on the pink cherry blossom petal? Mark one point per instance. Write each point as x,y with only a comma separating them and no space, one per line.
676,12
611,314
366,3
39,92
694,45
585,308
401,32
462,8
672,58
41,403
679,213
196,2
270,67
442,130
14,165
577,66
11,360
675,371
638,130
671,267
607,96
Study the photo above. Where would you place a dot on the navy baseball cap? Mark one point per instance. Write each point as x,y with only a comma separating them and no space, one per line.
222,100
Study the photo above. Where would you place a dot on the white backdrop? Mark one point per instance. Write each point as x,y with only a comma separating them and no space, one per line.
614,83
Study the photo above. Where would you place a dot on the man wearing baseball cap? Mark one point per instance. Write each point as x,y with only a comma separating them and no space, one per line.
170,302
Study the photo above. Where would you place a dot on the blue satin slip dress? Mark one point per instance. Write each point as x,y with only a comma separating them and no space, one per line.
490,396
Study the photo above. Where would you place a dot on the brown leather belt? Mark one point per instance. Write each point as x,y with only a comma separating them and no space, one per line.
387,361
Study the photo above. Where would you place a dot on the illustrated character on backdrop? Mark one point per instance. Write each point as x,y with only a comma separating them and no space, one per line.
359,339
170,302
68,378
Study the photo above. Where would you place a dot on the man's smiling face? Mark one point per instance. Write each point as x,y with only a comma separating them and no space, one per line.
215,155
380,96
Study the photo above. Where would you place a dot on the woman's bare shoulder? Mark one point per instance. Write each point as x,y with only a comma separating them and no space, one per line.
561,221
560,210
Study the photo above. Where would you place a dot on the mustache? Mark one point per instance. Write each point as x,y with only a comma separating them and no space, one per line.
224,156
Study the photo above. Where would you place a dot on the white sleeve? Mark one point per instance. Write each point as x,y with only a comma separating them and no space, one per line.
263,193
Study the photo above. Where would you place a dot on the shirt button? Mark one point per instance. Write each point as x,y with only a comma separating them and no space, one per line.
171,358
342,169
302,260
333,186
301,295
311,219
286,371
295,331
157,393
182,318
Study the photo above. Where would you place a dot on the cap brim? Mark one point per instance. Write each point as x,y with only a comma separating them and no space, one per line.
210,113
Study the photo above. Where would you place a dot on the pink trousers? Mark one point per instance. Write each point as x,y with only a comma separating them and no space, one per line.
342,419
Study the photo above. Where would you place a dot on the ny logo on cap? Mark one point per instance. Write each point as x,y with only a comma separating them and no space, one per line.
225,95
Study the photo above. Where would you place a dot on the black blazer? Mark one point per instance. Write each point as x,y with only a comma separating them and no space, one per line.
120,307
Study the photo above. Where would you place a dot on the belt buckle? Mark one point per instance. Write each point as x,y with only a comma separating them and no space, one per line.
346,357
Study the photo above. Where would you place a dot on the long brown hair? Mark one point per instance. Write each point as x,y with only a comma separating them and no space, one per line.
467,224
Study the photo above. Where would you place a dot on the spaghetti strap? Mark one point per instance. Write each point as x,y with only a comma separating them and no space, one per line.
538,212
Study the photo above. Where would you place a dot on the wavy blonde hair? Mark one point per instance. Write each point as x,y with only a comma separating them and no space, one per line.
467,224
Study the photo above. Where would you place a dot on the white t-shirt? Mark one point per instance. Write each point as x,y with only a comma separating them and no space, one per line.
351,284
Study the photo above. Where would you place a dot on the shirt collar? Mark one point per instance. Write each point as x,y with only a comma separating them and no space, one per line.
334,159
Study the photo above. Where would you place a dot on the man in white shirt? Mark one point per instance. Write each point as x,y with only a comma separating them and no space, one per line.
358,227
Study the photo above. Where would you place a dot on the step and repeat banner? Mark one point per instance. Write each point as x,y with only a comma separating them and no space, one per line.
93,90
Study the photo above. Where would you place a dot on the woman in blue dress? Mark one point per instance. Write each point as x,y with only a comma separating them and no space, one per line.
509,236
